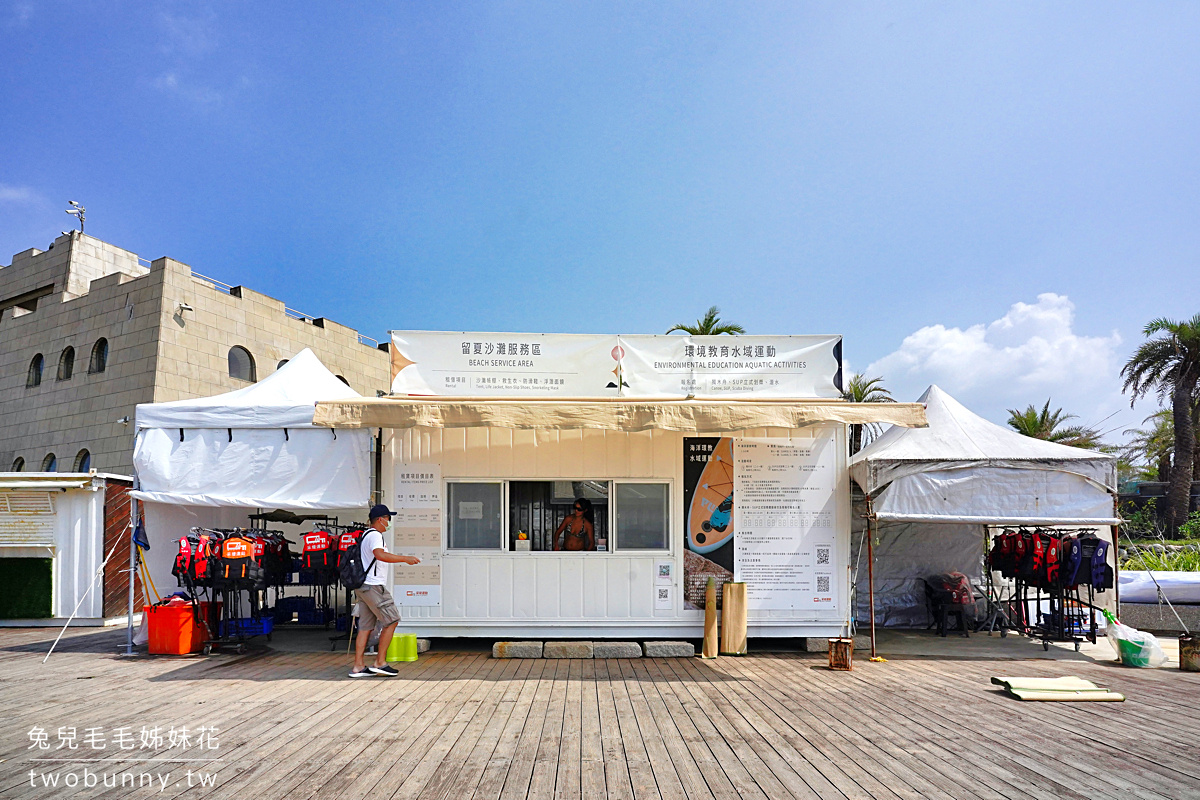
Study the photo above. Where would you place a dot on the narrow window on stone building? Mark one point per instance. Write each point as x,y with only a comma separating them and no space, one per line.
35,371
66,364
19,465
99,356
343,380
83,461
49,463
241,364
281,363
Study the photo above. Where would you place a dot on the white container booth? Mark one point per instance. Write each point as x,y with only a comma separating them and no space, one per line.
482,485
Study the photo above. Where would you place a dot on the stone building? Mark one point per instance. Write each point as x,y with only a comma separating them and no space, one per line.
88,331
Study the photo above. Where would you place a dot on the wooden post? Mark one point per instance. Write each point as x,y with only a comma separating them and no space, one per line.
710,619
871,570
733,620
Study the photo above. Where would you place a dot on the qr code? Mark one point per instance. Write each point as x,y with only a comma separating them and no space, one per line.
822,555
664,594
823,584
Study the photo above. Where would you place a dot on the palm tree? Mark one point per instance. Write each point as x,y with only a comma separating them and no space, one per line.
1049,426
1152,445
861,389
709,325
1170,364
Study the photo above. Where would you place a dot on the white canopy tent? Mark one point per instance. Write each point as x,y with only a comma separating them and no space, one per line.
254,447
211,461
929,491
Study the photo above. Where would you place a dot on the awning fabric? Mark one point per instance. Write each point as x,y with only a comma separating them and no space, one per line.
606,414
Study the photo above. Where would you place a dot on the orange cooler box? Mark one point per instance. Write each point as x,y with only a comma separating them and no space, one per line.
174,630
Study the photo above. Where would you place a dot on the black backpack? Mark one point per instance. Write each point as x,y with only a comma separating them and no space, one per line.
351,571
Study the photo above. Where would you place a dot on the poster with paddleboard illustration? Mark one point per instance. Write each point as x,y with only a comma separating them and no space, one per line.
708,510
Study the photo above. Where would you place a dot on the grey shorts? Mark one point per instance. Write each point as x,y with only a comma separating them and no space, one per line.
375,604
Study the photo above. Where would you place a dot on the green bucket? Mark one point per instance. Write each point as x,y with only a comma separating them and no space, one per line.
1133,654
403,647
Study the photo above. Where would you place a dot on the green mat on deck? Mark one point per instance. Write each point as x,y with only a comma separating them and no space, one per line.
1066,689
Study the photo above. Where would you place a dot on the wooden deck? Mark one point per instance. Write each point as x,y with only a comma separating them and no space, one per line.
460,725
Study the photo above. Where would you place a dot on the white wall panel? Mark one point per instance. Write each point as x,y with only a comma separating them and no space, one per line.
525,602
596,593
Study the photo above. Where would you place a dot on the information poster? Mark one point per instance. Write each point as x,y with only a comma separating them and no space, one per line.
785,550
417,531
708,508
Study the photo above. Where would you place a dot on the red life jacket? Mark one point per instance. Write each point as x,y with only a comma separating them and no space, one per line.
320,551
1053,558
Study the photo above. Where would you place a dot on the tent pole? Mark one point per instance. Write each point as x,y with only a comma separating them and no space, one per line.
1116,555
871,571
133,554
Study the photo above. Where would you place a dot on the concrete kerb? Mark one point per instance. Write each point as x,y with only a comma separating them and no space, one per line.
586,649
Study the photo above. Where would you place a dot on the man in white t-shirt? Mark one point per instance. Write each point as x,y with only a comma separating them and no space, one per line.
375,602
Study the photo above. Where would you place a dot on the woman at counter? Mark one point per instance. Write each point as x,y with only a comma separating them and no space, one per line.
577,530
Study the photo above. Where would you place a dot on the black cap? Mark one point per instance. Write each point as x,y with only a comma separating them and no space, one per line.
380,511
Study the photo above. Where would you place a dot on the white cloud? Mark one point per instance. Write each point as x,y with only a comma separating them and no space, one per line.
188,36
1026,356
18,195
171,83
19,14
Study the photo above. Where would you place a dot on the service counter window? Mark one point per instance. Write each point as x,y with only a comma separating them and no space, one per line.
569,516
475,518
642,516
543,515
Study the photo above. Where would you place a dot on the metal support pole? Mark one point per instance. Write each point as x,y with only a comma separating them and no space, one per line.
871,570
1116,555
133,555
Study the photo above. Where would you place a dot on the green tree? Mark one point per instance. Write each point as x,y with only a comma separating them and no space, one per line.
861,389
709,325
1152,446
1050,426
1169,364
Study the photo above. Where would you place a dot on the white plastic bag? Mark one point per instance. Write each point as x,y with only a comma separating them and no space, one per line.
1135,648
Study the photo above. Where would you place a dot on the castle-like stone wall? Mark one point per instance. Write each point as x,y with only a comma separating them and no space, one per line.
156,352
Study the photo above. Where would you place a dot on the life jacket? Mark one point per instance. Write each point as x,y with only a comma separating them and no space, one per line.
237,557
1052,558
345,542
1072,559
276,561
194,558
951,587
1003,558
186,552
320,551
1102,571
1032,563
1098,572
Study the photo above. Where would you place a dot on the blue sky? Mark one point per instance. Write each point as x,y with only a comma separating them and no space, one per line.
995,197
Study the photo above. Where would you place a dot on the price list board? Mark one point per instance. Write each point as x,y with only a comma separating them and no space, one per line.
417,531
785,513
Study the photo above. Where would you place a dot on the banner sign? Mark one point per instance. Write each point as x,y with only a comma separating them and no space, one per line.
721,367
786,516
417,531
636,366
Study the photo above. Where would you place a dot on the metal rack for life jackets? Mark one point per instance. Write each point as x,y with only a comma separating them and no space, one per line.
1057,574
